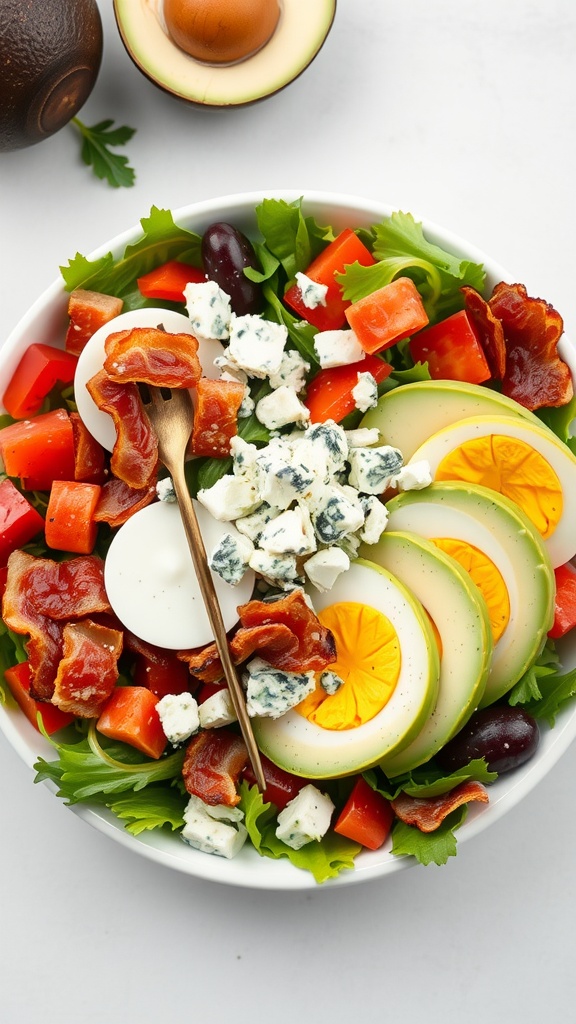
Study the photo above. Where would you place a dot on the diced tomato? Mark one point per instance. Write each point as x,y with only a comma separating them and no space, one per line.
367,816
169,281
329,395
89,455
452,349
130,716
70,523
39,450
281,786
565,603
19,521
342,252
161,671
18,679
387,315
39,370
88,311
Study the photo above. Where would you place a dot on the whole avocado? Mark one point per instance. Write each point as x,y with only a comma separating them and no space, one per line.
50,53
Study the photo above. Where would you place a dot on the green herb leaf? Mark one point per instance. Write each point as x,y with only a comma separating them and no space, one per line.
528,686
153,807
162,240
325,859
428,847
97,153
429,780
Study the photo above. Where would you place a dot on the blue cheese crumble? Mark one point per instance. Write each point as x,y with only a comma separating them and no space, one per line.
413,477
337,348
324,567
230,498
218,830
305,819
178,714
291,372
271,692
313,294
209,310
371,469
230,557
165,489
290,533
331,682
365,393
217,710
280,408
256,345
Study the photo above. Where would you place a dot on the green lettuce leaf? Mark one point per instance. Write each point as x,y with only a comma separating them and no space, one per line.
293,239
429,779
401,249
325,859
300,332
153,807
528,686
428,847
162,240
544,689
560,420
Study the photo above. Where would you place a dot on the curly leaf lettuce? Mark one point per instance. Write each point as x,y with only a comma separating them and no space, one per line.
293,239
429,847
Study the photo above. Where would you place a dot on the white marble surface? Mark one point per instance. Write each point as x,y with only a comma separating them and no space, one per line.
462,113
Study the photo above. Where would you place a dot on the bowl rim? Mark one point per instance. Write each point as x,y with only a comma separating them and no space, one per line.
248,869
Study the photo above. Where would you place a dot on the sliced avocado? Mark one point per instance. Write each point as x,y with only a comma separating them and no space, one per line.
299,35
459,613
51,53
408,416
305,748
496,526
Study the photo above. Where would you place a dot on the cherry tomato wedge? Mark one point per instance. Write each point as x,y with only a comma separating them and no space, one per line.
329,395
39,370
367,816
452,349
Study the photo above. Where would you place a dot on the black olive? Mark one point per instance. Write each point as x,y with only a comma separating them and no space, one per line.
505,736
225,254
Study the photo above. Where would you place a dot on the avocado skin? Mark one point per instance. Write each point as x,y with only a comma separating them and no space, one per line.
50,54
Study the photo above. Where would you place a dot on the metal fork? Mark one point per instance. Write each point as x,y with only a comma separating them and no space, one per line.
171,414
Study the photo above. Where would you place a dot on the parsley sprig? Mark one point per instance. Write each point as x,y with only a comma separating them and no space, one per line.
97,153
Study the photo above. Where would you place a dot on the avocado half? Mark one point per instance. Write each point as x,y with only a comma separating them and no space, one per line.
49,61
302,29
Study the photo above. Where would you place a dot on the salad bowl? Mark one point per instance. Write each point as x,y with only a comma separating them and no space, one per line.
48,318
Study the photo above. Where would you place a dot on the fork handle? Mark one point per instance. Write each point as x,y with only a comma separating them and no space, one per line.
198,552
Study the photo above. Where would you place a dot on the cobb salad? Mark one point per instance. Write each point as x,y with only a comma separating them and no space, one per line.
384,474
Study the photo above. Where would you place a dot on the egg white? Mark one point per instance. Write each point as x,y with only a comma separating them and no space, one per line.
305,748
561,544
91,361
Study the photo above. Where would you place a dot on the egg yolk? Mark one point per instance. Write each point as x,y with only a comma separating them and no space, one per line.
221,31
512,468
487,578
368,660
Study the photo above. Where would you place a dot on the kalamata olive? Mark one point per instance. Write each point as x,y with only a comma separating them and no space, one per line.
505,736
225,253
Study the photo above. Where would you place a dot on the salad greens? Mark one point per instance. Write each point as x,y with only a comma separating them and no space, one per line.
149,794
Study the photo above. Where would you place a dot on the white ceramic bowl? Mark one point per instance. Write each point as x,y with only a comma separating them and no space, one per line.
248,869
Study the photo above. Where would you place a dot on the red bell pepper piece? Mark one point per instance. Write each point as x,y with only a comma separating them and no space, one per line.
129,715
53,719
329,395
366,817
39,370
452,349
19,521
565,602
88,311
169,281
342,252
281,786
387,315
39,450
70,523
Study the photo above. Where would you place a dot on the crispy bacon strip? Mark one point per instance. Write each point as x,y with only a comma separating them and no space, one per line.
118,501
135,456
428,813
212,765
216,416
89,456
151,355
40,596
274,642
535,374
88,671
316,647
489,329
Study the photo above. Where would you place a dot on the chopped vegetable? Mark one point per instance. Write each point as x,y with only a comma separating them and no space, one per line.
329,395
130,715
39,450
70,523
53,719
168,281
387,315
452,350
565,601
88,311
367,816
39,370
19,521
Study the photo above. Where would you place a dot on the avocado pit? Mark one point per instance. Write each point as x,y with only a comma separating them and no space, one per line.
221,31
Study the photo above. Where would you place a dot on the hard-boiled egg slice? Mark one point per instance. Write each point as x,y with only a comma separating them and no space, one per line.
460,616
151,583
493,525
91,361
379,709
522,460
